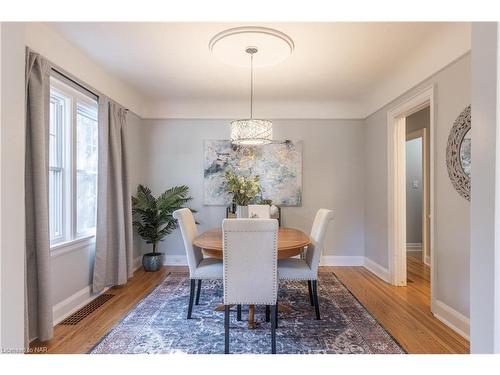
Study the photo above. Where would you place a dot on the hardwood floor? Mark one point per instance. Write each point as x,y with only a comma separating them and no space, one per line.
82,337
404,312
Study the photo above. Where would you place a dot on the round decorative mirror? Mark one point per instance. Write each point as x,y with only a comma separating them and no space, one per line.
465,153
458,154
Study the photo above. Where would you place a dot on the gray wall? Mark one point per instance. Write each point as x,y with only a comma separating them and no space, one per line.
452,215
333,171
414,191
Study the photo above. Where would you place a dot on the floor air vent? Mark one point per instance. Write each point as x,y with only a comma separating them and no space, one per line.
86,310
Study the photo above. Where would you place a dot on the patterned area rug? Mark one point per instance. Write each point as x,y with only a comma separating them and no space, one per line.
158,323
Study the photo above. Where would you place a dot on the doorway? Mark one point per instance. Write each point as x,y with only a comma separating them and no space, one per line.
397,119
417,155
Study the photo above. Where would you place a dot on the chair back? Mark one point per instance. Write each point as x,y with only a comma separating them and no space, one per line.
185,218
259,211
318,232
250,258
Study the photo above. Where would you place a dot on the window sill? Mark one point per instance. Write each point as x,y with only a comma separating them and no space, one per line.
73,245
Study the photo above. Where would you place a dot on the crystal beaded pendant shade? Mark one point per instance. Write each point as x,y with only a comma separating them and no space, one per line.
251,131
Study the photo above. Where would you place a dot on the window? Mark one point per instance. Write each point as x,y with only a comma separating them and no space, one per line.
72,163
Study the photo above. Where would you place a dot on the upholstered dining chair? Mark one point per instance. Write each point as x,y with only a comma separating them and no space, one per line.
307,269
250,256
199,268
259,211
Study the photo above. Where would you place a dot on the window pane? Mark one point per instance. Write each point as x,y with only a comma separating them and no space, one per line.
86,164
56,171
72,163
55,132
55,205
52,135
86,202
86,140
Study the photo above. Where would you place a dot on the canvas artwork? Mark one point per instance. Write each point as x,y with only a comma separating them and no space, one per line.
279,166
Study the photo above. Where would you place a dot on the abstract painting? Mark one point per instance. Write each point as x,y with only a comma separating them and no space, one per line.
278,165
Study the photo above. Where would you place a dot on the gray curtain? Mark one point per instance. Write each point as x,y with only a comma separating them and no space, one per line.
38,309
113,255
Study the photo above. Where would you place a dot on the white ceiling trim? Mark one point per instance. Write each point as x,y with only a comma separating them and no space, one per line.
223,109
444,48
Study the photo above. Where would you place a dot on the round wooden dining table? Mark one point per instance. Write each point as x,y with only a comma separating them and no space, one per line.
291,242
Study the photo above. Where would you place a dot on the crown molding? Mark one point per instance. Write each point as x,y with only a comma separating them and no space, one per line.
436,54
224,109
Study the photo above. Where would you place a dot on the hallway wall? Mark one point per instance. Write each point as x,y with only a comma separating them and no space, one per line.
451,215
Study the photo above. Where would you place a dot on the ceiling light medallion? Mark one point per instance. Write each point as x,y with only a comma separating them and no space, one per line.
236,47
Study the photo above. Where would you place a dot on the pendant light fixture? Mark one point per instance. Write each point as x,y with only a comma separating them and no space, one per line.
251,131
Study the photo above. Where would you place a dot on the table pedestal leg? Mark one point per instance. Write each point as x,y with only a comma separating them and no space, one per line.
251,316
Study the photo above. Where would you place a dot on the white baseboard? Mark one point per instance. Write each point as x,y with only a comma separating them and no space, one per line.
452,318
414,245
377,269
328,260
427,260
175,260
446,314
76,301
168,260
137,263
338,260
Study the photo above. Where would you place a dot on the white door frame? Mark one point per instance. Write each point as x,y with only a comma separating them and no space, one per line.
396,142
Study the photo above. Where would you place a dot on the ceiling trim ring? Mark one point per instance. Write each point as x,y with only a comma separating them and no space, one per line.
251,29
274,45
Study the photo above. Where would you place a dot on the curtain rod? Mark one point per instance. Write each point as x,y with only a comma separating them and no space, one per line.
65,76
80,85
73,79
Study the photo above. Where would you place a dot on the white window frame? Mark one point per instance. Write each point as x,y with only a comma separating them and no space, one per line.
72,98
62,151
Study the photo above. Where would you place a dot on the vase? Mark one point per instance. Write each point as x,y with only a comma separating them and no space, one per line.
152,262
242,212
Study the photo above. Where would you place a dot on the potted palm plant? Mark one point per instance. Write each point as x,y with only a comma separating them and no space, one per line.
153,218
243,189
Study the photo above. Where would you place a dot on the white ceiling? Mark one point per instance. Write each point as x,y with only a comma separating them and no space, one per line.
332,62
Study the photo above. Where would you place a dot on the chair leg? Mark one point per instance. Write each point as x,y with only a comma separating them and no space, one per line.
274,315
226,329
238,312
198,291
191,297
316,300
309,286
268,314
